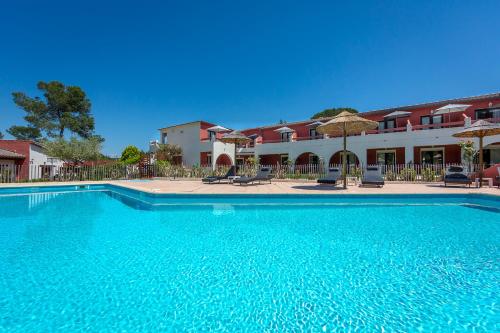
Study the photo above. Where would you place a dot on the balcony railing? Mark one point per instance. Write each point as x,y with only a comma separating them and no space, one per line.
439,125
387,130
372,132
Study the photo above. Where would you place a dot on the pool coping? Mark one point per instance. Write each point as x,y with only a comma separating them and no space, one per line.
151,193
282,190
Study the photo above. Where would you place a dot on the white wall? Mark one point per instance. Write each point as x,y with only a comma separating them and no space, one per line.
38,157
325,148
187,137
220,148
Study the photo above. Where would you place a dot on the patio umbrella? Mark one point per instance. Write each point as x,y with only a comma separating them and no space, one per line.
346,123
235,137
396,115
479,129
218,129
284,129
450,108
315,124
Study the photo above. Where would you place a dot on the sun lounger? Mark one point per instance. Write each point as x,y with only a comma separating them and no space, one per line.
372,176
212,179
456,175
331,178
264,174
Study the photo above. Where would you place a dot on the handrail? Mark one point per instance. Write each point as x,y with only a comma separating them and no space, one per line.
440,125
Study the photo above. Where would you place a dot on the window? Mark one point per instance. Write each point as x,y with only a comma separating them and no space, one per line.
437,120
284,159
286,136
313,159
386,157
313,133
212,135
432,156
386,124
488,113
209,159
430,120
425,120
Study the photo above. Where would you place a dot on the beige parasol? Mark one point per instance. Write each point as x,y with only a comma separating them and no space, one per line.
235,137
346,123
479,129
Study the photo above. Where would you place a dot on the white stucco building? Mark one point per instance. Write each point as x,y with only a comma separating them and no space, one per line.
419,134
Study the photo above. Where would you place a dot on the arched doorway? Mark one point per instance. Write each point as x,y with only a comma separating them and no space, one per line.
336,158
307,163
223,160
307,158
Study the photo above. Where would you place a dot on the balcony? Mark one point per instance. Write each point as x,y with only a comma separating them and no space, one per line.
392,130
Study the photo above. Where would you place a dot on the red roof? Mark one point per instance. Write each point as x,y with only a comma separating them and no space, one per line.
10,154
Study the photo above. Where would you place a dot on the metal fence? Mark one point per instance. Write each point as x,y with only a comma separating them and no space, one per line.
410,173
37,173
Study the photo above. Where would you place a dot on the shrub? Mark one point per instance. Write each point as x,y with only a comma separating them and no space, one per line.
408,174
391,176
428,175
131,155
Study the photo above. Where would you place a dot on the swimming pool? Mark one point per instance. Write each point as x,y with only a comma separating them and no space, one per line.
105,258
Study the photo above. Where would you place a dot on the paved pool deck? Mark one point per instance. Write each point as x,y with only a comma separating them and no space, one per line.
276,187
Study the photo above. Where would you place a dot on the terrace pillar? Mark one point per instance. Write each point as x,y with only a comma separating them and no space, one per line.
408,154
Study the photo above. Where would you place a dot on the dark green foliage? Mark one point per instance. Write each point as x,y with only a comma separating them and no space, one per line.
332,112
131,155
25,133
63,108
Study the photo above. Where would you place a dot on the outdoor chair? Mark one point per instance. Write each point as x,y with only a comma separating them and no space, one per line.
212,179
264,174
456,175
372,176
331,178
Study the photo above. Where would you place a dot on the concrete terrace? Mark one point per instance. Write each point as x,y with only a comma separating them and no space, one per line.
277,187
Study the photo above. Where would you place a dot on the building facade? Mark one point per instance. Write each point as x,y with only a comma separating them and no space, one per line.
25,160
418,134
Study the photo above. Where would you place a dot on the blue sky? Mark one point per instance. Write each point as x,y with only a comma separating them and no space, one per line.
149,64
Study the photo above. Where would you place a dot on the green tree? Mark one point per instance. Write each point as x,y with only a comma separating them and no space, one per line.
1,135
131,155
63,108
168,153
25,133
74,150
332,112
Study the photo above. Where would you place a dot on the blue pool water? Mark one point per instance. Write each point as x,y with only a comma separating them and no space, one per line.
108,260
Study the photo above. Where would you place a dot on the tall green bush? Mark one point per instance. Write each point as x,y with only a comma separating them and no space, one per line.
131,155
